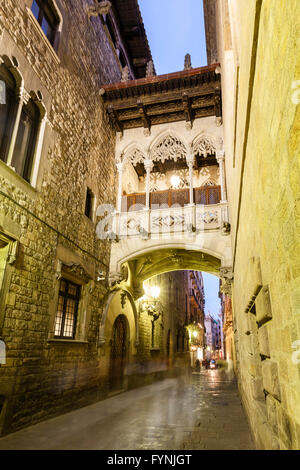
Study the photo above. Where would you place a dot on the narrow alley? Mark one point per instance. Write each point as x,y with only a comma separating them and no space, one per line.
199,411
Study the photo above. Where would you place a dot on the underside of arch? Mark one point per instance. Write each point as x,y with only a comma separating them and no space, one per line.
163,260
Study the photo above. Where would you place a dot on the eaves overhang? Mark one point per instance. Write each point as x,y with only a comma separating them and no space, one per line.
180,96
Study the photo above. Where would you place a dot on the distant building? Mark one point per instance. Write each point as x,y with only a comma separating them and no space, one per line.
213,337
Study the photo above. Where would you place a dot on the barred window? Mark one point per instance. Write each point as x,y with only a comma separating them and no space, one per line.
67,309
47,18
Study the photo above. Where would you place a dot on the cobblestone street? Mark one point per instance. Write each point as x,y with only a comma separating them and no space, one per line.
202,411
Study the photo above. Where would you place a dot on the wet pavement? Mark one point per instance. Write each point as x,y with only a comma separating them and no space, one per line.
200,411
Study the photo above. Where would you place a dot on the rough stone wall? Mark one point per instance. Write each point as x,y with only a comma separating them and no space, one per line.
42,378
266,293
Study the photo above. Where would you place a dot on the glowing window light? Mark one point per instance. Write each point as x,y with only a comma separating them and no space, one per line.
195,334
154,291
200,354
175,181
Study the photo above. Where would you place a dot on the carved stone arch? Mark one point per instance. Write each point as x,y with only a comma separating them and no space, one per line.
111,295
12,65
133,154
168,146
204,144
209,182
37,98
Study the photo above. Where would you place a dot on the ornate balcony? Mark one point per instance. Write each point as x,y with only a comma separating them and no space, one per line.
185,220
169,198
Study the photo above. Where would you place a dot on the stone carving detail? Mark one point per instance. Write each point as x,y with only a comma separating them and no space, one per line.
187,62
99,8
168,221
176,258
135,156
125,74
75,268
226,276
150,69
204,146
168,148
208,217
12,253
117,277
123,299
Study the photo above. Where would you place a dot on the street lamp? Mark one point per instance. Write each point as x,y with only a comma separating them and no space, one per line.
151,304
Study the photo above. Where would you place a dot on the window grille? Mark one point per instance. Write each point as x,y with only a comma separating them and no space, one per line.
67,310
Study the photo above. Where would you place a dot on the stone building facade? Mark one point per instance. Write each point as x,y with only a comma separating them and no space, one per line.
258,48
54,58
180,307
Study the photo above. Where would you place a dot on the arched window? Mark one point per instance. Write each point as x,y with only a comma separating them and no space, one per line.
122,59
8,108
111,30
26,140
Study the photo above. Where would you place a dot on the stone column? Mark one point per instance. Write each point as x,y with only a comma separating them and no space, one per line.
148,164
38,150
190,163
221,159
120,167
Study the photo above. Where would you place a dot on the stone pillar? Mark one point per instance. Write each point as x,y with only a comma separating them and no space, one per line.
38,150
190,163
120,167
148,164
221,159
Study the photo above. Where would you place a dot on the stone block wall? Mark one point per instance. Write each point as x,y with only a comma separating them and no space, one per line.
43,377
264,165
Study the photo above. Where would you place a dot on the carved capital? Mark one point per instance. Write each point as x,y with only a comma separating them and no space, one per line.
148,164
120,167
190,159
101,8
220,156
12,253
117,277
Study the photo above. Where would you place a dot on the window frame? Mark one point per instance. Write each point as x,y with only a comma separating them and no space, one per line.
48,11
65,295
31,112
89,196
10,89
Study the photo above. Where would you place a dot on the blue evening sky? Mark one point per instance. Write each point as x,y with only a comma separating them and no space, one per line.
174,28
211,290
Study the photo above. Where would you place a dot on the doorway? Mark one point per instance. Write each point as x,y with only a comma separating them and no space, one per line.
118,353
